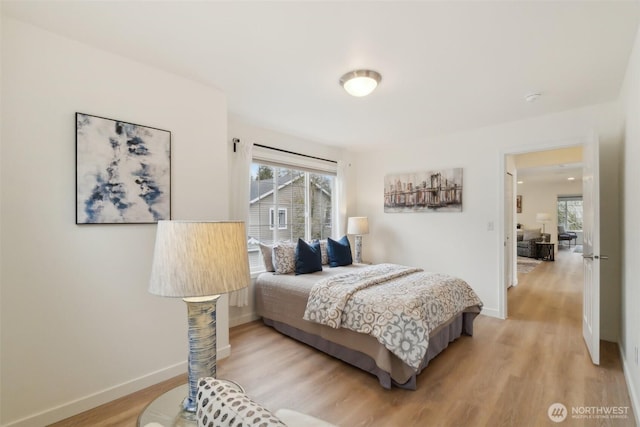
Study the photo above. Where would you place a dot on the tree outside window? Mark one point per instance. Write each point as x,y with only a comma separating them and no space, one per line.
570,212
286,204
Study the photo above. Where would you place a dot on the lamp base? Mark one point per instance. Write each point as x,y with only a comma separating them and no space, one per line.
358,258
202,344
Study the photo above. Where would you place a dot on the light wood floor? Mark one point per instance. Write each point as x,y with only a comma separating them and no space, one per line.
507,374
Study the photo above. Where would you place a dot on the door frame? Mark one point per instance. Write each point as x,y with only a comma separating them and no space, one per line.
510,256
534,147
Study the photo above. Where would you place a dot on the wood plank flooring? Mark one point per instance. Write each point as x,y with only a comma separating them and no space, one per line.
507,374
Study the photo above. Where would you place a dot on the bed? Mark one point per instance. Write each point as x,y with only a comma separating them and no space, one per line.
283,301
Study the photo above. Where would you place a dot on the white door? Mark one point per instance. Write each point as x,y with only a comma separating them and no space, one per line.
591,248
508,230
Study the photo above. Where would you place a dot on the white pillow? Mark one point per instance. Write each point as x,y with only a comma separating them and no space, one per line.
531,234
267,256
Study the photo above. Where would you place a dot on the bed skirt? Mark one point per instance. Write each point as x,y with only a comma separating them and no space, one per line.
460,325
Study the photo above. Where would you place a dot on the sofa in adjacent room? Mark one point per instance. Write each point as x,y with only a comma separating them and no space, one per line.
526,242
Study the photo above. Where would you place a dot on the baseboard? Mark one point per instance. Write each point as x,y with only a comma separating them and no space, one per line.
241,320
78,406
221,353
633,395
491,312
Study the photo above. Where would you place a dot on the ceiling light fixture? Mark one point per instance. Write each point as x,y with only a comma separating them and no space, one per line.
360,82
571,178
520,182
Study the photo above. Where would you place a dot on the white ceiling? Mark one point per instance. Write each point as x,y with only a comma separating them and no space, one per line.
551,174
446,66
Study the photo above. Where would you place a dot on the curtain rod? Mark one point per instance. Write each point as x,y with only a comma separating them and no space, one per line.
236,140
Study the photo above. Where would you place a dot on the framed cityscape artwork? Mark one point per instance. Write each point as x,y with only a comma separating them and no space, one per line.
123,172
429,191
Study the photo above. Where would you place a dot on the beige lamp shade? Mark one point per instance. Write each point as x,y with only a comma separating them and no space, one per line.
358,225
543,217
193,259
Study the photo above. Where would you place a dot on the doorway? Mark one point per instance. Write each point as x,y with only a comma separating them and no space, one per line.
539,176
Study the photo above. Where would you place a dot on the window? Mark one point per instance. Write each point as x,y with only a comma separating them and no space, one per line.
282,218
302,200
570,212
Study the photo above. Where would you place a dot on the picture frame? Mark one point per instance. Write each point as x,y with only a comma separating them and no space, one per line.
123,172
518,204
428,191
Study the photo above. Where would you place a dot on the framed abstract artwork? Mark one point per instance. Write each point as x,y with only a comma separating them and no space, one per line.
518,204
429,191
123,172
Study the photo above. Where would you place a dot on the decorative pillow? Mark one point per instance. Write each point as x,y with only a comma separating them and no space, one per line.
284,257
220,404
308,257
339,252
323,250
531,234
267,254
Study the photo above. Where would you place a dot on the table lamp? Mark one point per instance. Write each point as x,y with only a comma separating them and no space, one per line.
543,218
358,225
198,261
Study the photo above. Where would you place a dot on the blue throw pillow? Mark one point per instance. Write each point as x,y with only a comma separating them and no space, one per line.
339,252
308,257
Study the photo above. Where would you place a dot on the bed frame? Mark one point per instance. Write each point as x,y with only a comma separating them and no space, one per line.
281,301
461,325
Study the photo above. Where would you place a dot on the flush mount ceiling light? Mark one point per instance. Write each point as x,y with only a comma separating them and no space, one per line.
360,82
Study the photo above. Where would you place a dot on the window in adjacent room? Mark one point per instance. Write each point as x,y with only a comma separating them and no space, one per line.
287,203
570,212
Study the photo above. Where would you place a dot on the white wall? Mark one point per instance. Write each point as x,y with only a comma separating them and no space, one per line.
245,131
78,326
630,336
461,244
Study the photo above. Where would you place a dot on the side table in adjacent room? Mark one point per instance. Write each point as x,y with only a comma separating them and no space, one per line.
545,251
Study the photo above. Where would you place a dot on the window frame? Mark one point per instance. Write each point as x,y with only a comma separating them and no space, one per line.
272,222
307,167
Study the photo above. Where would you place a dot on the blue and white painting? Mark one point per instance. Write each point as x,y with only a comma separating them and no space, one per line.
123,172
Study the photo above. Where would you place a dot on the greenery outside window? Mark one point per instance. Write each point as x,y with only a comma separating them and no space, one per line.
570,212
302,200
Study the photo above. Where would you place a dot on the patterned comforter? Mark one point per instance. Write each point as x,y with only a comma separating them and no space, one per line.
398,305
